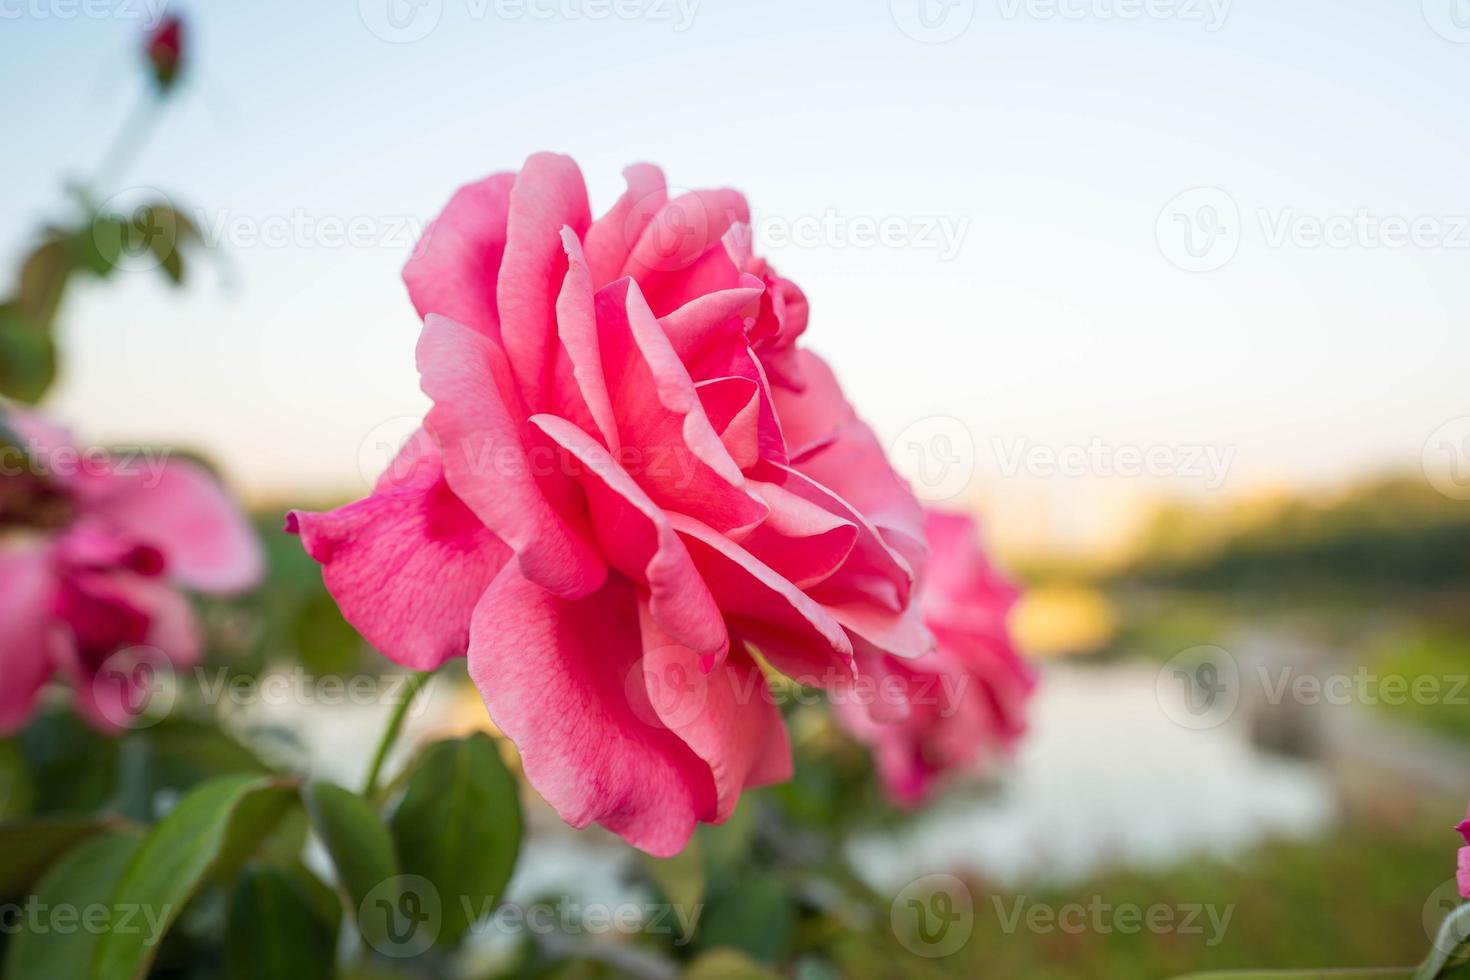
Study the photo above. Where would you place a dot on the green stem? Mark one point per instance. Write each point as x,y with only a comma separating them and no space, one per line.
129,141
416,683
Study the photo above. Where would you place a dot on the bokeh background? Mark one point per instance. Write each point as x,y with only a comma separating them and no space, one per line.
1170,293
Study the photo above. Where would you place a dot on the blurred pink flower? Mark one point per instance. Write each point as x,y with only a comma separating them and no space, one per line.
968,696
629,472
93,549
165,51
1462,871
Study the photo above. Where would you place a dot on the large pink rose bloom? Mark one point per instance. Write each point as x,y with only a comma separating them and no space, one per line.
630,477
93,552
967,697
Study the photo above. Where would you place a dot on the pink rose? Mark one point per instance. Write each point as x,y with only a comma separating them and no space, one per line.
966,697
630,476
93,549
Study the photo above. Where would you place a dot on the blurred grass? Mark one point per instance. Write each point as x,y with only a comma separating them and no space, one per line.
1439,653
1354,900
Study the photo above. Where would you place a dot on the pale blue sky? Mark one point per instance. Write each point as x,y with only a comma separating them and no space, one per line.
1052,142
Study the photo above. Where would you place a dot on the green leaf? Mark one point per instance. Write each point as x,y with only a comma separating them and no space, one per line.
459,826
211,830
360,846
276,928
81,882
27,356
165,232
42,281
31,844
170,260
98,247
756,917
17,789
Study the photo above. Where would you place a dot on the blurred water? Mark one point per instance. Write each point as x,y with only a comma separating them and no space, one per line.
1105,778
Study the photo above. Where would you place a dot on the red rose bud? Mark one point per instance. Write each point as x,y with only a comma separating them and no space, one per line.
166,51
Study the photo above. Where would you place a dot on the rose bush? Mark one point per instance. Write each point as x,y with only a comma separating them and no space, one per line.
632,487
